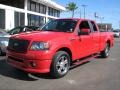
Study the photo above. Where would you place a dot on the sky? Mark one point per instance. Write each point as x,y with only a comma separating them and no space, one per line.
108,9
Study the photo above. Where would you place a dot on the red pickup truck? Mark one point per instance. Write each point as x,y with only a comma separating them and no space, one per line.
59,44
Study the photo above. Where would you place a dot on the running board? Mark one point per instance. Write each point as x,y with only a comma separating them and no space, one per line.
83,60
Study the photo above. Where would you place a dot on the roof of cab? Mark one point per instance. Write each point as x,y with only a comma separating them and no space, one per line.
76,19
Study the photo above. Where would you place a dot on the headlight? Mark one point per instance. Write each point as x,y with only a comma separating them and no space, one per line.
40,46
4,43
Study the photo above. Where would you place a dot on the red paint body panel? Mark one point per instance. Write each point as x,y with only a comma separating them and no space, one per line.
80,46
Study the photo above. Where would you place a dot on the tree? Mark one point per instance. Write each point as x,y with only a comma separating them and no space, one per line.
71,7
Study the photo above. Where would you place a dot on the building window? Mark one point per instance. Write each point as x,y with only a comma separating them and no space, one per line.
33,6
53,12
41,8
2,18
36,7
58,13
49,11
35,20
28,5
19,19
13,3
44,9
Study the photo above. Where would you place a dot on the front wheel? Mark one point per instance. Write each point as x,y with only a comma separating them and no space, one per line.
60,64
105,53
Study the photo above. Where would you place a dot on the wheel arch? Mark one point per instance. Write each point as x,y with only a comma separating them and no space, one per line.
108,41
66,49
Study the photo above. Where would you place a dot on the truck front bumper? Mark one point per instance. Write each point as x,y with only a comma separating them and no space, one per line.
31,66
30,62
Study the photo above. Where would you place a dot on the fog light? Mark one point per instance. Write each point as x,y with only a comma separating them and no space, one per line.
32,64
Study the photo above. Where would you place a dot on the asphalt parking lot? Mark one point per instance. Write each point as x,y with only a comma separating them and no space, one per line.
98,74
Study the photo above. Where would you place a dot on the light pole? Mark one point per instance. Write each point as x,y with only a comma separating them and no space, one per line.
101,18
96,16
84,7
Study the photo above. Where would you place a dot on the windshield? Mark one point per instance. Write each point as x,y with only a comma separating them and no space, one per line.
60,25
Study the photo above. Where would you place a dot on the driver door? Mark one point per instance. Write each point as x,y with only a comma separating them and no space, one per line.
83,42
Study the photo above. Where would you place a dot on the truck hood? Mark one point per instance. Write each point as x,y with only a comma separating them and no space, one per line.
41,35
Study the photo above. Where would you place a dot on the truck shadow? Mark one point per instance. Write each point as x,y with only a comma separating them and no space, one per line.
100,57
9,71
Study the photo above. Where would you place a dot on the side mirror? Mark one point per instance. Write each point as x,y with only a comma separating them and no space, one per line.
84,31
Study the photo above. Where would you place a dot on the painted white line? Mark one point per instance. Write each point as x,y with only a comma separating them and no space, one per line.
72,82
113,59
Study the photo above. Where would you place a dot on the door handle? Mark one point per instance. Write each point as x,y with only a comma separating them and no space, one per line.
71,39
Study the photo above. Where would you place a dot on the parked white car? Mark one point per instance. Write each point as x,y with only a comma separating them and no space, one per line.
116,33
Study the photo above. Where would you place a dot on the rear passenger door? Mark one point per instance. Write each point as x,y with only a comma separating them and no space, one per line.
95,37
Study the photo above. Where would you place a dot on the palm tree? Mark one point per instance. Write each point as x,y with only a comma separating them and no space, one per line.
71,7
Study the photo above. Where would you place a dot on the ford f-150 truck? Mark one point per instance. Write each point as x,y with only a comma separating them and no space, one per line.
59,44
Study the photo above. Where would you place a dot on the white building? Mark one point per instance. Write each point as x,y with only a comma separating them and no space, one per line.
27,12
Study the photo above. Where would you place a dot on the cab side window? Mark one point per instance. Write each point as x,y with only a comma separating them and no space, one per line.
84,25
93,26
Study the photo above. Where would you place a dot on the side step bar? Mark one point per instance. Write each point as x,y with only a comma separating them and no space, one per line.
83,60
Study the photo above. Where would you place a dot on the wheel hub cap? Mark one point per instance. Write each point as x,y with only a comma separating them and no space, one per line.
62,65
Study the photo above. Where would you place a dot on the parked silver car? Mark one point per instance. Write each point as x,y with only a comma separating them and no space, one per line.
21,29
4,38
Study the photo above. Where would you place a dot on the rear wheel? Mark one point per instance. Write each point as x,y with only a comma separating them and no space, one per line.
60,65
105,53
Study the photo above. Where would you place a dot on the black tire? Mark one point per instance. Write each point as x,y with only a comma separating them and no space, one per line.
60,64
105,53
